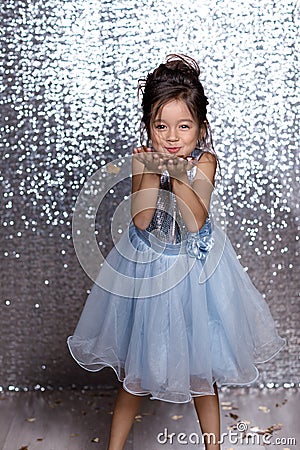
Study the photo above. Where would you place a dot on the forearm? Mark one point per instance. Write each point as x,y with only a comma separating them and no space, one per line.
143,201
193,210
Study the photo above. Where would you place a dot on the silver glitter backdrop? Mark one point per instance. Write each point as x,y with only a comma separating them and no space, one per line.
69,105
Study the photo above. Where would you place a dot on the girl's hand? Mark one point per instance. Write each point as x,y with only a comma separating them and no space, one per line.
178,166
151,160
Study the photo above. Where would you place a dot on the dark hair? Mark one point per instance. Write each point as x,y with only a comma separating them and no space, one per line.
178,79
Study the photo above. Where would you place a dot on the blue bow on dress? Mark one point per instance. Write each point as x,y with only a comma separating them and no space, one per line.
200,243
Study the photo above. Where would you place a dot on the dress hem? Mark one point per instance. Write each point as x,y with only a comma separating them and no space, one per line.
153,397
284,342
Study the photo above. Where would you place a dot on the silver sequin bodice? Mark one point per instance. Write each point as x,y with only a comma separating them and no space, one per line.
167,223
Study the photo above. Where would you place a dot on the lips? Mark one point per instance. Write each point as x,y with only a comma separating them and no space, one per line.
172,149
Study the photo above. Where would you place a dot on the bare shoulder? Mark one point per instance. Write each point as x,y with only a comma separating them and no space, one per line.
208,157
207,166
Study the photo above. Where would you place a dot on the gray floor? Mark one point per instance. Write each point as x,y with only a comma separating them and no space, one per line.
71,420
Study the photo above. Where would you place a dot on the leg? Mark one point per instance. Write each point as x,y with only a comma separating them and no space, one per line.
208,412
126,407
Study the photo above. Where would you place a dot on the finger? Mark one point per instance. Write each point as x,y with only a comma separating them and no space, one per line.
137,155
141,149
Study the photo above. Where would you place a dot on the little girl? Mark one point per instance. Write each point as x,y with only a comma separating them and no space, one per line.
172,311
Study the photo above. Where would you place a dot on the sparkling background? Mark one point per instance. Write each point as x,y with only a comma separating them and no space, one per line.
69,105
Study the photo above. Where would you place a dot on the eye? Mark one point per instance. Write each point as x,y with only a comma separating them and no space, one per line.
185,126
160,127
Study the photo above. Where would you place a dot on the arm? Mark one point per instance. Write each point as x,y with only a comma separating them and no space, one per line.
145,185
194,201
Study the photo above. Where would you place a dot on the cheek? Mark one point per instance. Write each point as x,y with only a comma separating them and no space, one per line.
195,136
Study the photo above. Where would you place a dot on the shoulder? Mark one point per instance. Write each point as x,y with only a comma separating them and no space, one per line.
204,155
207,158
206,166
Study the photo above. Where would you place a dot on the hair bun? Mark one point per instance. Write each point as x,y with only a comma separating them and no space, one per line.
183,63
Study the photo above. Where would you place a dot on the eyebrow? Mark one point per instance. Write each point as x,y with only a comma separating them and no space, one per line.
181,120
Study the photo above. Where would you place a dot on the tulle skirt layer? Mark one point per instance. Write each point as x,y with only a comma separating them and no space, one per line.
171,325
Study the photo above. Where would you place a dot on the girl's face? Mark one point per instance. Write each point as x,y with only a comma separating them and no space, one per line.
174,131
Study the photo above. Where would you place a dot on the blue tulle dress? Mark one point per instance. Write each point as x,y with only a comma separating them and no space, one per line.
173,312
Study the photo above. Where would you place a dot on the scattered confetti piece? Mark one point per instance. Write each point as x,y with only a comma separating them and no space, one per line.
275,427
24,448
96,440
40,439
74,434
265,409
270,429
176,417
228,406
138,418
31,419
54,404
259,430
282,403
233,416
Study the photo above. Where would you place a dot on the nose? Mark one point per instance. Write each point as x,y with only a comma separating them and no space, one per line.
172,135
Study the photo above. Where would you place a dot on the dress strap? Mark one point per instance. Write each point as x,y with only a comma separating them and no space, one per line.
197,152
